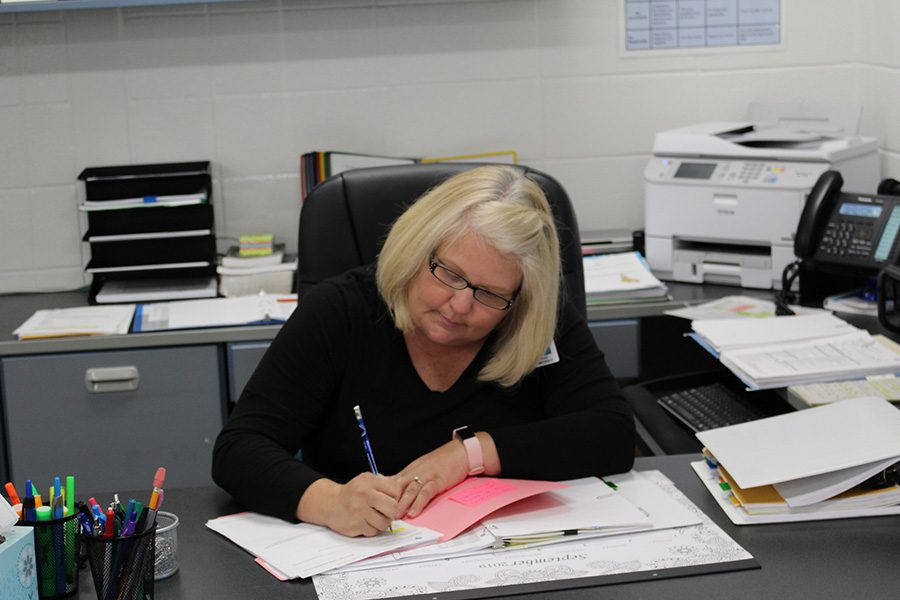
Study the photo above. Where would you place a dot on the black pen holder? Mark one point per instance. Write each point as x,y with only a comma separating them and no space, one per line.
56,545
122,567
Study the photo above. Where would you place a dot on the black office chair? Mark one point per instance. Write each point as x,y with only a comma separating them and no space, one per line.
345,219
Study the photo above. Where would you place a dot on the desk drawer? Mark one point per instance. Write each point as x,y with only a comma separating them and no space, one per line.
78,414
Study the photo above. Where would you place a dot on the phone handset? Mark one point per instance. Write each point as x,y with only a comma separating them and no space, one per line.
820,203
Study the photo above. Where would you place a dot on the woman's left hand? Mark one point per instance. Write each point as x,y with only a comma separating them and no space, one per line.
429,475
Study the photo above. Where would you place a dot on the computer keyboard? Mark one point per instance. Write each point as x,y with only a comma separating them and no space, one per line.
707,407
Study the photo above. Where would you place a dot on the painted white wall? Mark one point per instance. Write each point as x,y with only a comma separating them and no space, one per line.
252,85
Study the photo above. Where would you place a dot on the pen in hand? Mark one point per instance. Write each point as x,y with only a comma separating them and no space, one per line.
366,445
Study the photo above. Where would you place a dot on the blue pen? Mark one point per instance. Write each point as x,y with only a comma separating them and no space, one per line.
365,439
57,493
367,446
28,503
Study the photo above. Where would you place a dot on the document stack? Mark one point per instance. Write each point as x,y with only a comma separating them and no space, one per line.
831,462
76,321
774,352
620,277
257,309
269,273
480,516
150,230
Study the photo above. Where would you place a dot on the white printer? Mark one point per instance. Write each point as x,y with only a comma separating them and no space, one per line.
722,200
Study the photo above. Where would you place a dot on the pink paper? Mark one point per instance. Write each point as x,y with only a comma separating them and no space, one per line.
486,490
462,506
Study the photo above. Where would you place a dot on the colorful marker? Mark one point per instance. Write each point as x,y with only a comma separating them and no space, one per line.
158,480
70,494
13,496
28,505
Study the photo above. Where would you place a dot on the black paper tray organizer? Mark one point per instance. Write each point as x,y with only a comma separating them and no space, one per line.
152,221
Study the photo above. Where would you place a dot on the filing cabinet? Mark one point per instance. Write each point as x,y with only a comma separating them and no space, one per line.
111,418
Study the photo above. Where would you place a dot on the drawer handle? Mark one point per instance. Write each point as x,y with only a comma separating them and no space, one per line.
111,379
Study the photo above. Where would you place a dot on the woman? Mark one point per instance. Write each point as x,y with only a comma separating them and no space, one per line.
448,333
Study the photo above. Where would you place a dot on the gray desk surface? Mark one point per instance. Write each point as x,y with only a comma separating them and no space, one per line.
16,308
851,558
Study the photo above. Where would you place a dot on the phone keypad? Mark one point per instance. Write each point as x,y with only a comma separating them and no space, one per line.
847,238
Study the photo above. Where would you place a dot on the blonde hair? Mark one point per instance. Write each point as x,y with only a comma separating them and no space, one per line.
510,212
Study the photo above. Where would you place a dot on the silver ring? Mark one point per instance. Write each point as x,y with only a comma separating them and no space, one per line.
417,480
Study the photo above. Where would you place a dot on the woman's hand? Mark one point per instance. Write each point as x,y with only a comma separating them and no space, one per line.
365,505
429,475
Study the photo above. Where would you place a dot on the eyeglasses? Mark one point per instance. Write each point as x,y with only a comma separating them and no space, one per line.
458,282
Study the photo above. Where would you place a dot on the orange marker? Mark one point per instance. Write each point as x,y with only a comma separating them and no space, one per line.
13,496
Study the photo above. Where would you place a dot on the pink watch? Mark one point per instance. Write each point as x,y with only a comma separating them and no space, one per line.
473,449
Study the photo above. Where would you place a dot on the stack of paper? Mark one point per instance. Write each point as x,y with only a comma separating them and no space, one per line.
806,465
216,312
480,515
814,394
620,277
290,550
271,273
81,320
682,540
781,351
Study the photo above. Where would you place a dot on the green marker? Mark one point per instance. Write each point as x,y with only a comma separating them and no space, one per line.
70,530
46,562
70,493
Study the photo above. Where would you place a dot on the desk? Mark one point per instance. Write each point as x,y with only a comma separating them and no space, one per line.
853,558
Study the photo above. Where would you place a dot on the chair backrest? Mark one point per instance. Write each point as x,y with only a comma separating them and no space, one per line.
345,219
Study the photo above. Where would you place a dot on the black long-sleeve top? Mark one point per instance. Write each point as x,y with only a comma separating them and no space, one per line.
340,348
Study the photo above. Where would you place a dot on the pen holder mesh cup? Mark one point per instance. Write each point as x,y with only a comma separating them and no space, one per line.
122,567
56,547
166,544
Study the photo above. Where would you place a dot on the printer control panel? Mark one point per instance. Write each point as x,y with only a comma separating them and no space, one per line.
750,173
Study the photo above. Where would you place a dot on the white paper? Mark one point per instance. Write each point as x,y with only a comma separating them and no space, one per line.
216,312
81,320
473,541
882,386
727,334
618,274
586,504
808,442
144,202
700,544
644,490
810,490
8,516
856,354
302,550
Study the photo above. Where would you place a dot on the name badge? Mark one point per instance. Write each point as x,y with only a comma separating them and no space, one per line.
550,357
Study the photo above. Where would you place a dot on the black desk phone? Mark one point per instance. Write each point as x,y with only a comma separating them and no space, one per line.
857,231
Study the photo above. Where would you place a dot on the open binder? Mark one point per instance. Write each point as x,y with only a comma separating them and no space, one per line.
258,309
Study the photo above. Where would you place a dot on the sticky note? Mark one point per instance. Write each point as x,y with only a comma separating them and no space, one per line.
486,489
